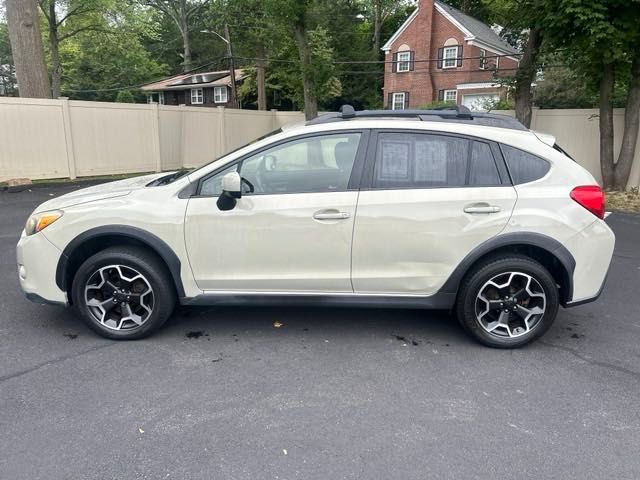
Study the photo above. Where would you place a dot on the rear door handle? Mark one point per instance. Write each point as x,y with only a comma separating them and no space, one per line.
481,208
331,215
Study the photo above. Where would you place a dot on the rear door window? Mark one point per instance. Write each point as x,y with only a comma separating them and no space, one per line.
417,160
483,170
427,160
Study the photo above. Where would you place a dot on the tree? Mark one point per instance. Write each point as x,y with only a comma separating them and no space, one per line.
7,71
523,27
182,13
58,13
125,96
379,12
300,24
26,46
605,34
97,67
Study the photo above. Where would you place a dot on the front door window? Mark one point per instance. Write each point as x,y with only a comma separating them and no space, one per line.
314,164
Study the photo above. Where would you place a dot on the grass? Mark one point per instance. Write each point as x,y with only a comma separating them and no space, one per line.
627,201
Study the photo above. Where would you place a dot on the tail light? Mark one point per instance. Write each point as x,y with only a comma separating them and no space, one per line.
590,197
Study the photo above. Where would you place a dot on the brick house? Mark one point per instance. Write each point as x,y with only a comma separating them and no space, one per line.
439,53
208,89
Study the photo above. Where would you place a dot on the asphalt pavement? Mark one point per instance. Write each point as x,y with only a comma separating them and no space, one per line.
220,393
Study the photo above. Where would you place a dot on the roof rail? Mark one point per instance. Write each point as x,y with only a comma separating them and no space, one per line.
453,114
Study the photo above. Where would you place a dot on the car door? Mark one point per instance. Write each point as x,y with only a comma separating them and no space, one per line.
428,199
293,231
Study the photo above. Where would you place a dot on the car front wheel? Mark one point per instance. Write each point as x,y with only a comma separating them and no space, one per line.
123,293
508,302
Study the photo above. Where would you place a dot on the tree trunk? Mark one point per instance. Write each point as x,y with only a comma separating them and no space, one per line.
26,46
606,125
631,126
186,40
308,84
260,78
54,44
377,26
525,75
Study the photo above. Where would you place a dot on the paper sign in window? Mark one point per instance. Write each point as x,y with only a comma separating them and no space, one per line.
431,161
395,161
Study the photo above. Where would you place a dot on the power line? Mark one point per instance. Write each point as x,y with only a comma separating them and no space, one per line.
383,62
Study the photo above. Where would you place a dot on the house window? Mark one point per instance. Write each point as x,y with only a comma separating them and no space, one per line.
404,61
450,95
220,95
151,98
483,59
450,57
397,101
196,96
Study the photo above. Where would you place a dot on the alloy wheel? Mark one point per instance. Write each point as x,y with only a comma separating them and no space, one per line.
119,297
510,304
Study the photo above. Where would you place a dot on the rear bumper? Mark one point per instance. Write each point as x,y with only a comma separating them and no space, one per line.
592,249
584,301
37,260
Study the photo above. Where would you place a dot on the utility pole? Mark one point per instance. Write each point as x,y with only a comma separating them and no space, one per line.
232,69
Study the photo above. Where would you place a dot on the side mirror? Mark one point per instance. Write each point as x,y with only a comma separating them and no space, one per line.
231,191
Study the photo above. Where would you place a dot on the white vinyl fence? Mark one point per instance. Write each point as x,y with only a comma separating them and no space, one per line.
67,138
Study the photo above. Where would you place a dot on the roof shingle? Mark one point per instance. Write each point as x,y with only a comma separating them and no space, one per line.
482,32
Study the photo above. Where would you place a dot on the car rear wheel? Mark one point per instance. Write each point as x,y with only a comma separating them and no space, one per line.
508,302
123,293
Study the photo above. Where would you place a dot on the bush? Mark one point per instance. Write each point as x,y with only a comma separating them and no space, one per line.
438,104
125,96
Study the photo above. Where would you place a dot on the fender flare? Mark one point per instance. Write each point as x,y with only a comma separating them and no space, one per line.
159,246
551,245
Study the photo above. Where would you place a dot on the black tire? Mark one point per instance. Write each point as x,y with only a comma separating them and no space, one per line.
489,269
154,272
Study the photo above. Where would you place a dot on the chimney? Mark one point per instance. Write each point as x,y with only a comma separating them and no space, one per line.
426,10
425,4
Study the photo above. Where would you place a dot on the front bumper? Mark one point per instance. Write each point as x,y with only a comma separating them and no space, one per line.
37,262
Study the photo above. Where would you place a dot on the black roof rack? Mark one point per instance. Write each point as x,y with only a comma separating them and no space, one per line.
457,114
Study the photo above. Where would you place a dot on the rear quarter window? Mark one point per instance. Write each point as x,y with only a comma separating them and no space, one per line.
524,167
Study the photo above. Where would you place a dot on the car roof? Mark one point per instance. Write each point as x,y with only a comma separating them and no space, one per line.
519,138
450,114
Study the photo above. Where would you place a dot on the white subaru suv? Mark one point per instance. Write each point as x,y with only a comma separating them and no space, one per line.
440,209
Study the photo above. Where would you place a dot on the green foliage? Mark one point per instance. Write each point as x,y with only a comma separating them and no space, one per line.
438,105
125,96
96,66
7,73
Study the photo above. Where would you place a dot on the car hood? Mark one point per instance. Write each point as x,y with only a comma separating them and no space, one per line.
103,191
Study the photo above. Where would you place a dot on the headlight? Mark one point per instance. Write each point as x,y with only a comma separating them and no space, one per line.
40,221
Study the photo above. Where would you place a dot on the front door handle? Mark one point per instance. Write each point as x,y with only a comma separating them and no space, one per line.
331,215
481,208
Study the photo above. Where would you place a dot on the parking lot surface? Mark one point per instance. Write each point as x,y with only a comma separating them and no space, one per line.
220,393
